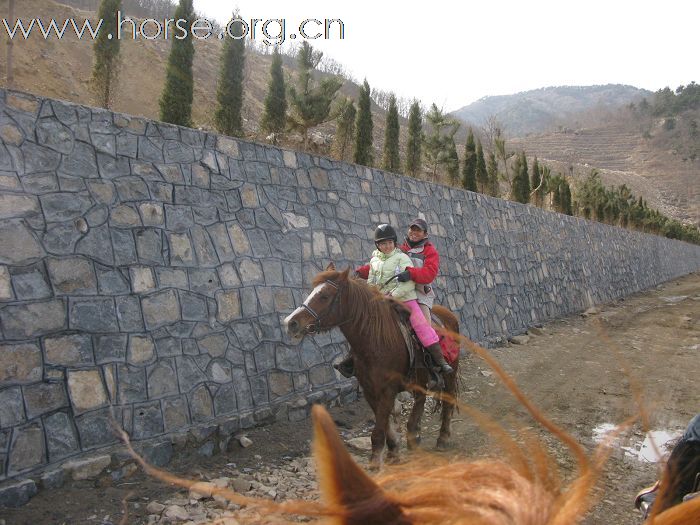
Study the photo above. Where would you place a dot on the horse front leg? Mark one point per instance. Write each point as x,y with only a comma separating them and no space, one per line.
413,425
382,431
448,407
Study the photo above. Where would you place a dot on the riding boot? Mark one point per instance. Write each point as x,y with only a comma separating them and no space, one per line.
436,353
346,367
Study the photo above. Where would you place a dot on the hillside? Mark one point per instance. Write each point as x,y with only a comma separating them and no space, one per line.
573,128
62,69
549,109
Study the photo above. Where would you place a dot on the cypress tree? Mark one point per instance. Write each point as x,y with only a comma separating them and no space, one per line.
275,115
440,141
522,186
452,161
344,130
363,128
415,139
482,177
390,160
565,195
229,92
310,103
106,67
469,170
492,170
176,99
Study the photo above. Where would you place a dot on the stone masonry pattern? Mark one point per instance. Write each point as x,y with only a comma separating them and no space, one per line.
145,270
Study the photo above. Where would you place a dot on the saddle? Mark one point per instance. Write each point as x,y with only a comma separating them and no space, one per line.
418,357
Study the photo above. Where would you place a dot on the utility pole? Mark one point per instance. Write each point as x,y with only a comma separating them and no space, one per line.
10,43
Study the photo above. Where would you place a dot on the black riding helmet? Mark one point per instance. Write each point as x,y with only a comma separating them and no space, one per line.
384,232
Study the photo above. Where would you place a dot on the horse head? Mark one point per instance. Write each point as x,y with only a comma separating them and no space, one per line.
320,310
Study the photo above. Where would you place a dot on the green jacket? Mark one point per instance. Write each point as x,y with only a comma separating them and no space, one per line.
383,267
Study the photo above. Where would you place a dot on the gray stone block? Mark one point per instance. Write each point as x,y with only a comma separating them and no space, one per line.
162,379
168,347
171,278
259,243
61,436
201,406
40,183
203,247
287,358
160,309
194,307
25,321
97,245
38,158
72,275
204,281
93,315
27,448
41,398
129,314
81,162
11,407
148,420
52,479
157,454
149,245
20,364
18,245
188,373
17,494
111,167
95,428
259,390
110,281
175,413
225,400
110,348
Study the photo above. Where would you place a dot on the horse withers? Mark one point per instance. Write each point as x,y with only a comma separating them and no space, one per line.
370,323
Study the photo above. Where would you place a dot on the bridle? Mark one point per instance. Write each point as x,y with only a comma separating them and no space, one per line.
315,327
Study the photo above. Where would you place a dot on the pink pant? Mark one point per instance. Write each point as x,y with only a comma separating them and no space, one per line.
420,324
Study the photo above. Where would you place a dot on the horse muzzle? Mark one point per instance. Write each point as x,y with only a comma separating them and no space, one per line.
296,329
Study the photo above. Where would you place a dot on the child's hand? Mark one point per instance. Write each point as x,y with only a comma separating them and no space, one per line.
404,276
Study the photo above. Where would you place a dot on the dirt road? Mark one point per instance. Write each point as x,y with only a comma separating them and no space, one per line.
580,371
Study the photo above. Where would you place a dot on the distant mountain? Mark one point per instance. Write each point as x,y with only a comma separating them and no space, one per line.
548,109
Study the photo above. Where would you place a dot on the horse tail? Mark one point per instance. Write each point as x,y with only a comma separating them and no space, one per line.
448,318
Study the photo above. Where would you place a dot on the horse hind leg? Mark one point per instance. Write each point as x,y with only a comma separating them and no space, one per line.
414,420
448,407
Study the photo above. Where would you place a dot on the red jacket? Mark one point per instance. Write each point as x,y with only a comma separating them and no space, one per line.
424,275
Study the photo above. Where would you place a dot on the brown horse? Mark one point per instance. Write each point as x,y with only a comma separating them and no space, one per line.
370,323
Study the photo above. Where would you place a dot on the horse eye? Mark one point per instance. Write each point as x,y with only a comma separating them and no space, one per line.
323,297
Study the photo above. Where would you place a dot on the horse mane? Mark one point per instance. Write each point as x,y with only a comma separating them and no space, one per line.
367,310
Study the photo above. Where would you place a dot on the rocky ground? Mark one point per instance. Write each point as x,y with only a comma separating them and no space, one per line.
581,371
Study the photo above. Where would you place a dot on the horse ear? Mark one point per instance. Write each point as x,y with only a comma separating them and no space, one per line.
330,267
344,274
343,482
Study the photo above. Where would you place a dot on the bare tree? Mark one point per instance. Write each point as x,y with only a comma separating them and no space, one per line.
492,129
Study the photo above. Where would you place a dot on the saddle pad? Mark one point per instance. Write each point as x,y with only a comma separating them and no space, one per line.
450,349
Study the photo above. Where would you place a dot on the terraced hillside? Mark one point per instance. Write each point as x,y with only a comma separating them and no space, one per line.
663,177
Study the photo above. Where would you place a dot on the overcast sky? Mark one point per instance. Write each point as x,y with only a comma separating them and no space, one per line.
453,53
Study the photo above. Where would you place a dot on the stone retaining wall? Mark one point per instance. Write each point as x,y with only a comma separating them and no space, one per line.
145,269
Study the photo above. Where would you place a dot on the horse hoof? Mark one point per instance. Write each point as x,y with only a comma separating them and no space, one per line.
394,459
442,444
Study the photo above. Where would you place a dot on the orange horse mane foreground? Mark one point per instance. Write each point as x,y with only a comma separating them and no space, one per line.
522,489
